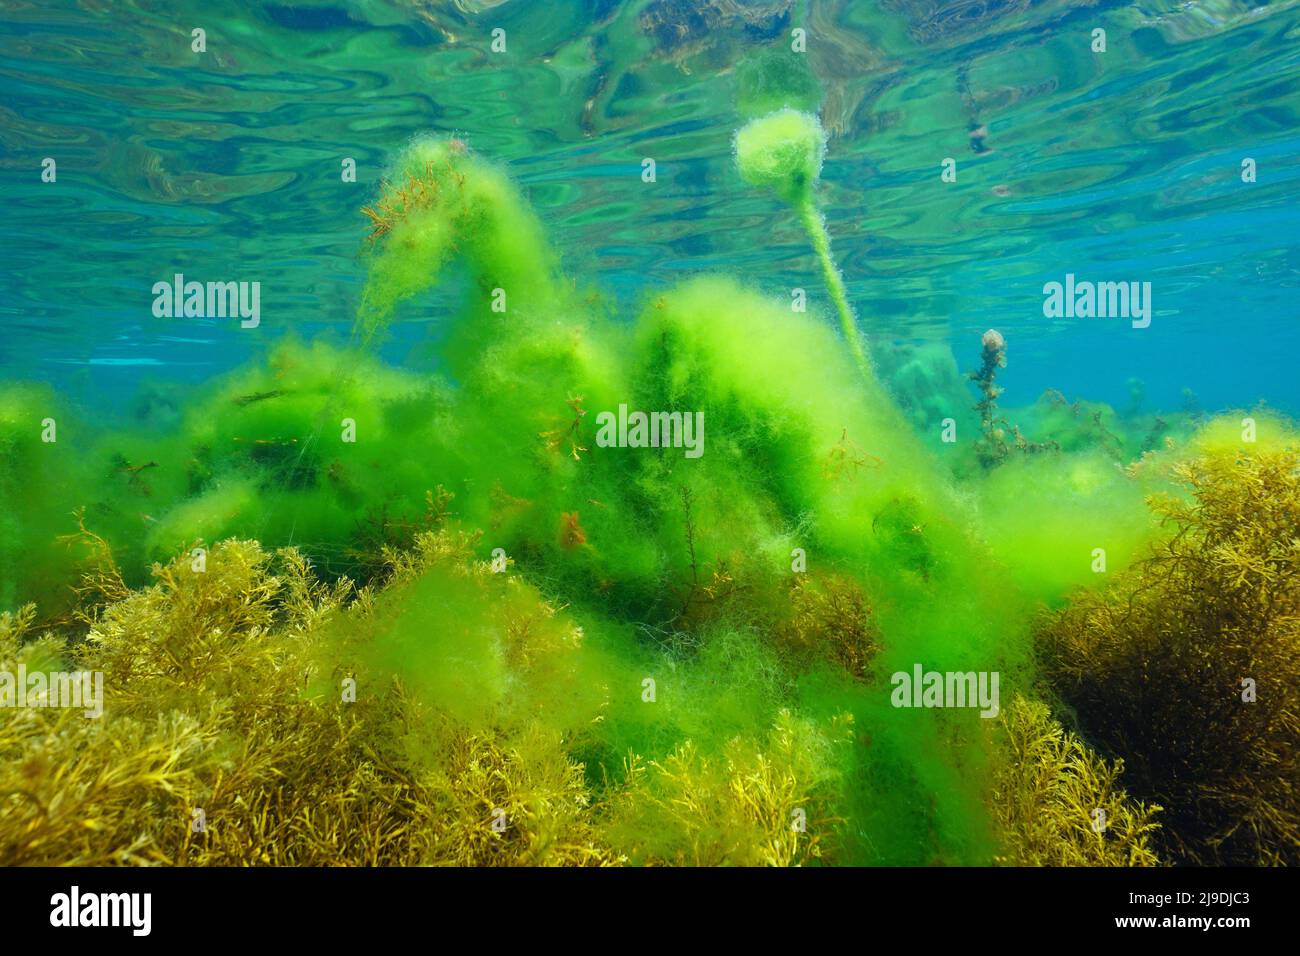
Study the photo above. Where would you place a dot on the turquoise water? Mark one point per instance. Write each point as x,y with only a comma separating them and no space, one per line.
1115,166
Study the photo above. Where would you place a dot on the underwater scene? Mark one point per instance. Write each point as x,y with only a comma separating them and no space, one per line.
650,433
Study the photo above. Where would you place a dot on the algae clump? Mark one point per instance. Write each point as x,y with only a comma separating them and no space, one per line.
783,152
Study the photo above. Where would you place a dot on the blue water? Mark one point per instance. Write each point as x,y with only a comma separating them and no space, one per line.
1115,166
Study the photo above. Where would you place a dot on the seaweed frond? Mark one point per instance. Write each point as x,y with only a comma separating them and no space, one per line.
571,434
760,804
101,581
1188,666
831,619
993,448
1059,804
397,199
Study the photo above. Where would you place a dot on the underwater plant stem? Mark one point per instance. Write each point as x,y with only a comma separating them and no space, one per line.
815,226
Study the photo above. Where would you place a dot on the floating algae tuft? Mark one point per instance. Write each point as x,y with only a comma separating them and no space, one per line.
440,204
477,635
783,152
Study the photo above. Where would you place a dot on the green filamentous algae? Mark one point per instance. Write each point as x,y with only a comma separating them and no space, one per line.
509,469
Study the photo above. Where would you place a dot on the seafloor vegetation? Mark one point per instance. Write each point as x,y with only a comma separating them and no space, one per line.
475,636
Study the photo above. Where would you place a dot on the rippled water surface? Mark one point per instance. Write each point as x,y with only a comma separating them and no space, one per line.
1122,165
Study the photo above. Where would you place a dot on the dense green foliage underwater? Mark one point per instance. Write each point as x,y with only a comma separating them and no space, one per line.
395,617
